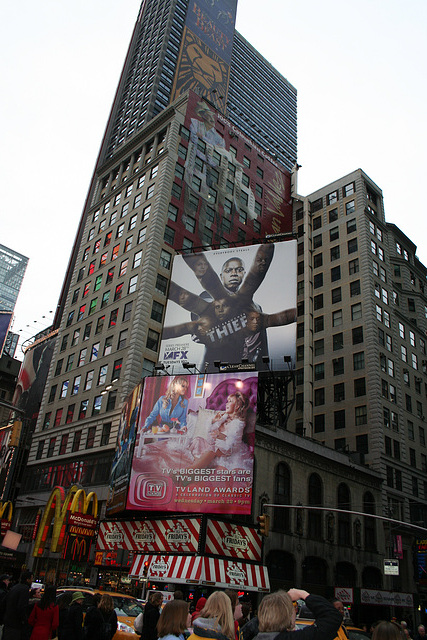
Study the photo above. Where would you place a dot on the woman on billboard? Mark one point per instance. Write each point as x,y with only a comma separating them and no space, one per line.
171,408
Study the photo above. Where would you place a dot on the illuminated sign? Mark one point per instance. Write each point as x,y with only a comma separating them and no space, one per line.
57,508
195,444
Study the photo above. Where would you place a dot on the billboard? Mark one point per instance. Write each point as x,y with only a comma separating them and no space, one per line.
32,377
5,320
195,444
119,475
231,305
205,55
232,187
166,535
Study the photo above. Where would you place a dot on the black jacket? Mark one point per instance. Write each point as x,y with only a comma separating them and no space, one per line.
325,627
94,620
17,601
150,619
73,626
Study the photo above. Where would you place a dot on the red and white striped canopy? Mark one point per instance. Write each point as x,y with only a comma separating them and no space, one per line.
201,570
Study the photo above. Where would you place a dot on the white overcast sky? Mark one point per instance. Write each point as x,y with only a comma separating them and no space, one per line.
359,69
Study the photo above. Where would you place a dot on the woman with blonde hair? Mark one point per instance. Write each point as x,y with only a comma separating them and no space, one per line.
172,407
174,620
216,619
277,614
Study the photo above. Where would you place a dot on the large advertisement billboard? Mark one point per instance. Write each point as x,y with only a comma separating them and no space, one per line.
195,444
231,305
205,55
119,475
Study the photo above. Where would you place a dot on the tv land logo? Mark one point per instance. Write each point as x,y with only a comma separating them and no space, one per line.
153,489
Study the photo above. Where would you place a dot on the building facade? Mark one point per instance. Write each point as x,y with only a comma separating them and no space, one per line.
362,326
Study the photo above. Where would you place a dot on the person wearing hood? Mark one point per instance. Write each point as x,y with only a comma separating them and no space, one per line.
199,606
215,620
277,614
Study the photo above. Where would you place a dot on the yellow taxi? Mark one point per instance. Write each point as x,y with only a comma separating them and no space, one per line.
351,632
127,608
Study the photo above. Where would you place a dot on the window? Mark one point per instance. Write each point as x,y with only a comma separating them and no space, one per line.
319,347
333,215
117,368
76,385
122,339
359,387
319,423
319,396
348,189
338,366
318,324
102,376
339,392
97,402
336,295
339,419
94,352
356,311
105,435
92,306
318,280
337,318
338,341
76,441
317,241
335,253
334,234
352,245
318,302
63,445
319,371
64,389
358,361
353,266
317,223
58,417
351,227
332,197
349,207
361,415
335,274
82,357
51,447
152,340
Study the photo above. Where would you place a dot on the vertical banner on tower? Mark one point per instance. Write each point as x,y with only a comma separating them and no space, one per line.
205,55
195,444
119,476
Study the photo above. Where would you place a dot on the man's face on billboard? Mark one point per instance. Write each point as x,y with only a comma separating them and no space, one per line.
232,274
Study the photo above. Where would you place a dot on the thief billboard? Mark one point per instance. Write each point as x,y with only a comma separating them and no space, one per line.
195,444
231,305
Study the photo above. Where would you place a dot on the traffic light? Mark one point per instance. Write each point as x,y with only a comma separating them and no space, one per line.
264,524
145,571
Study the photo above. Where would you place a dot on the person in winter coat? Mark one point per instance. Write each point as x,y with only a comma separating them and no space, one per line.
276,617
199,606
216,619
173,620
151,616
15,616
101,621
4,588
44,618
64,602
73,627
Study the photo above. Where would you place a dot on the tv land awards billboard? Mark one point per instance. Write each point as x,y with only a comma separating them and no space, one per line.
195,444
231,305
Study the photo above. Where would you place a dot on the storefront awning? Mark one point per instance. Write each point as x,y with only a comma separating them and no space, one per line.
200,570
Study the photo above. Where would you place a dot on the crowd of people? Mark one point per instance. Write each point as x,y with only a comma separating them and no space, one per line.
27,615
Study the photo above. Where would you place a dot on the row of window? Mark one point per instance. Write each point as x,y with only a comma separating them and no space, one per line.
76,442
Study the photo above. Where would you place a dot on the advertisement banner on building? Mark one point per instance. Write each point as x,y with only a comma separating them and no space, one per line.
167,535
195,444
120,468
5,320
228,195
388,598
206,46
32,377
6,456
232,305
235,541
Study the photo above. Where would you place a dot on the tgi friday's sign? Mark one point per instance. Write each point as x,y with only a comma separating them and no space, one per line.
235,541
151,536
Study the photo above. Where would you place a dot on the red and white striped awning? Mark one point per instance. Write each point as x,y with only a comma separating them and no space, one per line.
200,570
